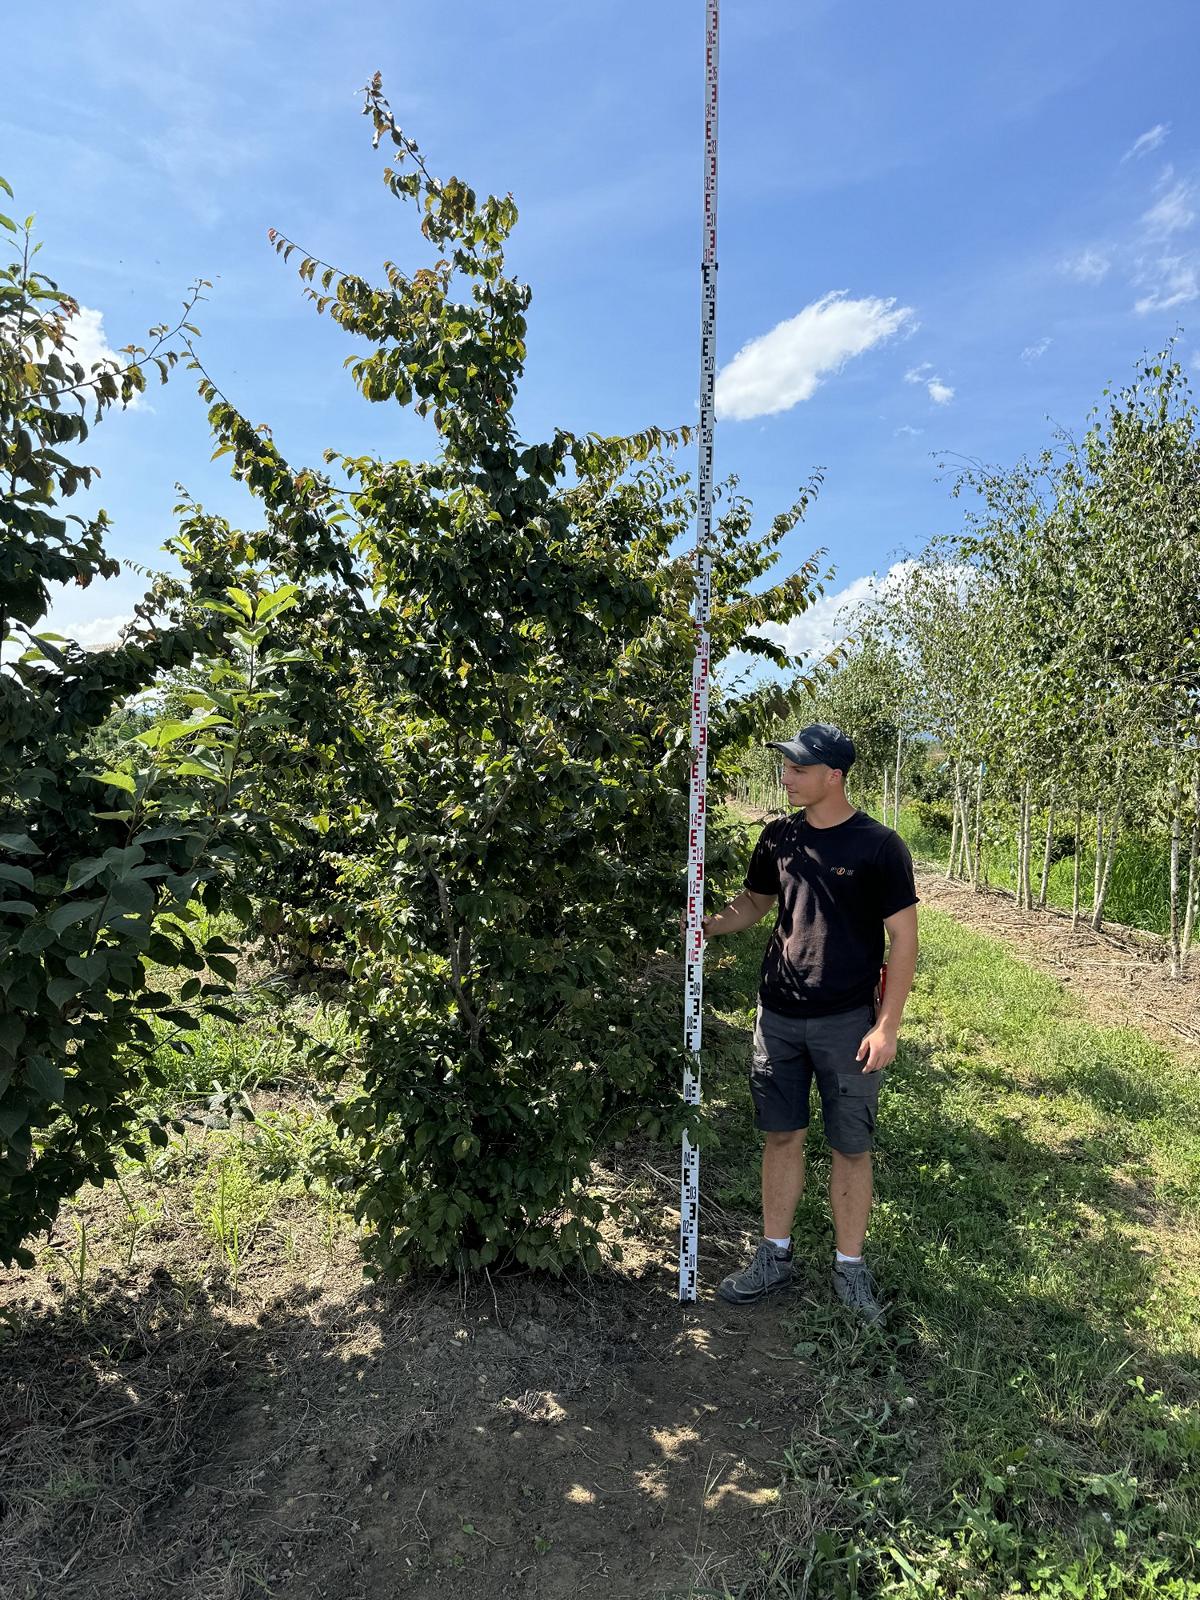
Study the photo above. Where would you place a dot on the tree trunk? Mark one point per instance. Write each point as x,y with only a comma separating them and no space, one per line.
896,786
1021,848
1102,891
1193,876
885,792
960,811
1024,892
1046,852
1099,856
1075,876
976,853
1173,937
954,842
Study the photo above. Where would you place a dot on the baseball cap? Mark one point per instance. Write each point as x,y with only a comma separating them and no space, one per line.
818,744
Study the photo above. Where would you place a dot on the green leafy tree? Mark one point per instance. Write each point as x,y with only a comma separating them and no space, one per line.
99,866
502,737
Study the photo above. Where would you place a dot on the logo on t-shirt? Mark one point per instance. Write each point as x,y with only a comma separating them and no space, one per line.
843,872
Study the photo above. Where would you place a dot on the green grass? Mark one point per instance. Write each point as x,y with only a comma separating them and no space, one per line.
1027,1423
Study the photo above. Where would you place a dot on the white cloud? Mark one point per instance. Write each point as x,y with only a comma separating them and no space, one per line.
940,393
1171,280
1145,142
1089,266
827,622
85,335
908,432
781,368
96,633
1035,352
1170,214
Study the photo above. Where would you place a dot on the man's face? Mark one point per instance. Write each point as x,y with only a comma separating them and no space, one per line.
804,786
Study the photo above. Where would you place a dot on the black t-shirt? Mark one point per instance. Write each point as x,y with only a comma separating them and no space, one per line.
835,886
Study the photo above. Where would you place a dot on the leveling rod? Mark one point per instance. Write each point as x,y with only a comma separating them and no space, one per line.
693,981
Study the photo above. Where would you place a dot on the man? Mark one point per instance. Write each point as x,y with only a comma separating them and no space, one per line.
836,879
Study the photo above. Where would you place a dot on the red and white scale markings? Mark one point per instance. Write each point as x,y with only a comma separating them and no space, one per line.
693,984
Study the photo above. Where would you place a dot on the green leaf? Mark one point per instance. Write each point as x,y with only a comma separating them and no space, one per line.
82,872
73,911
281,599
13,1116
45,1079
131,894
61,990
116,780
19,844
223,1012
21,875
179,1019
167,732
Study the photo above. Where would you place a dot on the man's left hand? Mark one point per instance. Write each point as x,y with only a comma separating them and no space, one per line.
878,1049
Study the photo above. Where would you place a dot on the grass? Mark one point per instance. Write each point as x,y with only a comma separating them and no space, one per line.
1027,1424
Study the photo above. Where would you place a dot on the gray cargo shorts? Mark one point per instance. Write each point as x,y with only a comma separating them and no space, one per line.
790,1051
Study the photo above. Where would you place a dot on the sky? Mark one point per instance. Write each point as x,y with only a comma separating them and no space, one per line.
942,230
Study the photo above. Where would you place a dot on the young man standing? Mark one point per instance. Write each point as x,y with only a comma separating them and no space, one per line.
836,879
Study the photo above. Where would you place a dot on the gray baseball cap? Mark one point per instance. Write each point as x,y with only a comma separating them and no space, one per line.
820,744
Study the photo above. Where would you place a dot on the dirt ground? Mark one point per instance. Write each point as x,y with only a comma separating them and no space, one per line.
1119,975
331,1438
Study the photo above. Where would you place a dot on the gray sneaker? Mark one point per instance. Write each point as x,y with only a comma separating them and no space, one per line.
856,1288
769,1270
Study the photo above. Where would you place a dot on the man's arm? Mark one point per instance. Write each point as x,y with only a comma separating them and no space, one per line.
743,911
878,1049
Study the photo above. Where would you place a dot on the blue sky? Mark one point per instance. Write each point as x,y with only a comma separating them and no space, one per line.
938,226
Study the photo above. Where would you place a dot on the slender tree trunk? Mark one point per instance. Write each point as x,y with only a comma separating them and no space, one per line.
896,786
1099,856
1020,847
976,853
1046,852
1024,893
1176,930
964,826
1193,876
1110,851
954,840
885,792
1075,875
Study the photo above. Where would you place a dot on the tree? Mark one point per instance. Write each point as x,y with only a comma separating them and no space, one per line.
507,737
101,866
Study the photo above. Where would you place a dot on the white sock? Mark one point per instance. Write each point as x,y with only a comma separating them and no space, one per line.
840,1257
782,1244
